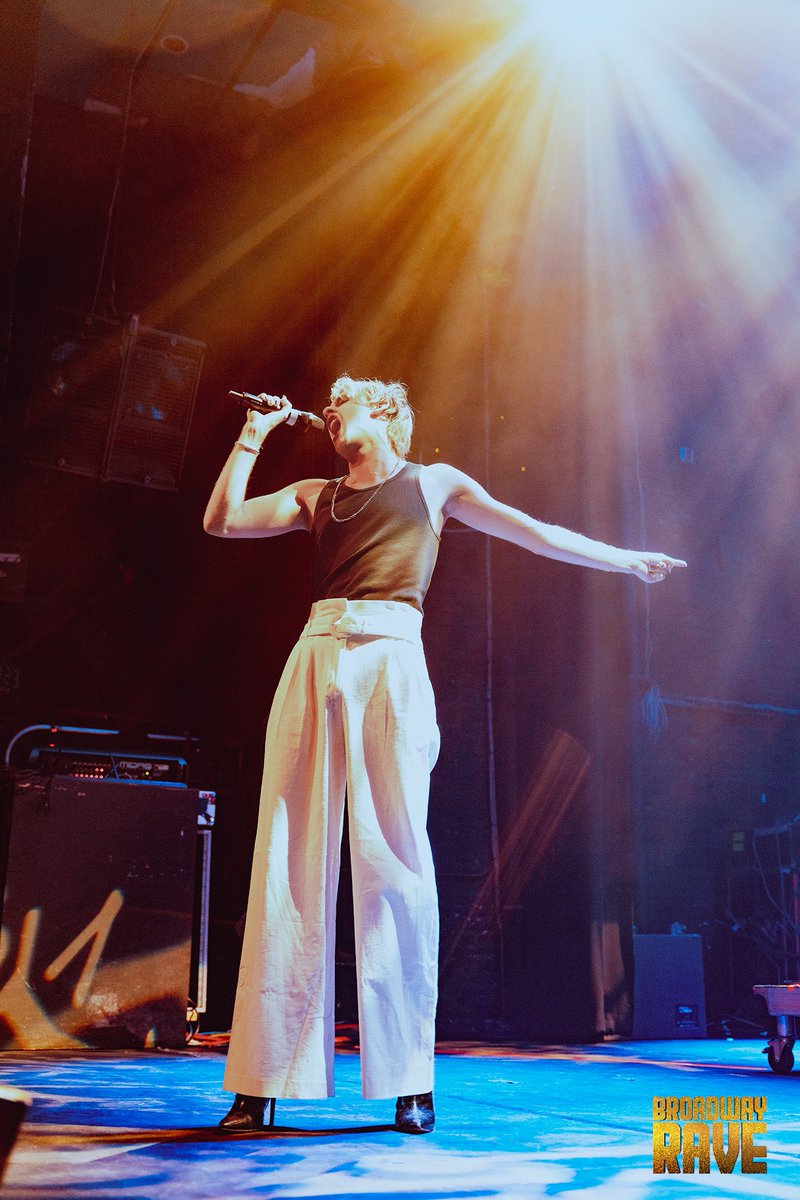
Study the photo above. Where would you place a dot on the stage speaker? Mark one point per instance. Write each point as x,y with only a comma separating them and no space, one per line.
97,915
668,986
113,401
150,427
76,383
13,1106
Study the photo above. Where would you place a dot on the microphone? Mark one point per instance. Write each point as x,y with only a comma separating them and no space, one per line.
248,400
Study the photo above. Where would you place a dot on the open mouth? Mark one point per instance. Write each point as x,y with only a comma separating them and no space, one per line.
334,425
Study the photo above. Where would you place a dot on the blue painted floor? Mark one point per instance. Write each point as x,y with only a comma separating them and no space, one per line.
519,1123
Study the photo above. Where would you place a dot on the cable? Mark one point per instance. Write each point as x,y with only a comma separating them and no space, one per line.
786,924
143,54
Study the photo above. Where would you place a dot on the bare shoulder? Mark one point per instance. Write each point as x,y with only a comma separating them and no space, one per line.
441,477
445,488
309,489
444,484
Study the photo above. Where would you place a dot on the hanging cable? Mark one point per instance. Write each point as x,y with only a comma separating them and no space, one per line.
138,62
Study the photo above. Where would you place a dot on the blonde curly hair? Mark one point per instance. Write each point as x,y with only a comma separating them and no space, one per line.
399,414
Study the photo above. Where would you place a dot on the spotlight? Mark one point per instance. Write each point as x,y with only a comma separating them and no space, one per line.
574,30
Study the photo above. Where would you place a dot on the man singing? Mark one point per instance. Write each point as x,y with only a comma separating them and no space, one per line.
354,711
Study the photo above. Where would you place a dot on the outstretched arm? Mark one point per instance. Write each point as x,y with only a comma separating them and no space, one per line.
465,499
229,514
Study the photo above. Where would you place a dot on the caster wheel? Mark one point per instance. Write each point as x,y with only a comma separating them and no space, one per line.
781,1065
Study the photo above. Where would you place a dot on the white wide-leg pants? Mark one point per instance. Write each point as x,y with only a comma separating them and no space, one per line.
354,709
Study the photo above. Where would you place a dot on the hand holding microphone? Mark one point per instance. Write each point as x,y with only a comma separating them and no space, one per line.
272,405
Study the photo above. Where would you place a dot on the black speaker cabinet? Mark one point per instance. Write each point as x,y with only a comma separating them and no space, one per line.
668,986
78,374
113,401
150,426
97,915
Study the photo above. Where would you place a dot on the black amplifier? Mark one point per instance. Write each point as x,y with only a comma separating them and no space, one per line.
114,765
98,909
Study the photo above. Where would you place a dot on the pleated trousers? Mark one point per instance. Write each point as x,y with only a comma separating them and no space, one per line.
354,711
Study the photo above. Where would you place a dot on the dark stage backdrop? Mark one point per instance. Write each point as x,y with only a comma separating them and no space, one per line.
130,616
716,756
17,62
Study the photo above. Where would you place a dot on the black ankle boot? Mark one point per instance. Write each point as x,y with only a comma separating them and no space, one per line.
247,1115
414,1114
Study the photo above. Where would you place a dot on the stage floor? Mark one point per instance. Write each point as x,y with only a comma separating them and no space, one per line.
516,1122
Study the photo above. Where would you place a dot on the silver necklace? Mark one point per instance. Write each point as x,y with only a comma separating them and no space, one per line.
369,499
